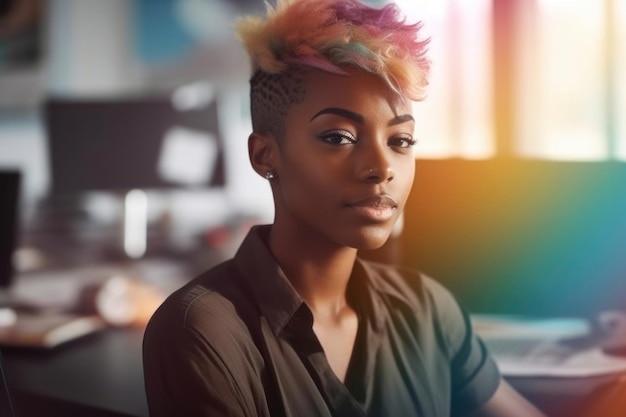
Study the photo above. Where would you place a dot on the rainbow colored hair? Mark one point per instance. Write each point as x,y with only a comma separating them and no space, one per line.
332,35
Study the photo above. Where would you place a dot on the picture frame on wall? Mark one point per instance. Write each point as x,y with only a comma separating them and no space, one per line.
21,55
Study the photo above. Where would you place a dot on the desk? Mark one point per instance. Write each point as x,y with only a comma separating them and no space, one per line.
101,375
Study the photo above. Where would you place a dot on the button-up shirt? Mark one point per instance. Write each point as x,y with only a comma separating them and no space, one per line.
239,341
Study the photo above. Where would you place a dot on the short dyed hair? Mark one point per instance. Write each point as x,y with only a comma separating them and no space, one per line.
329,35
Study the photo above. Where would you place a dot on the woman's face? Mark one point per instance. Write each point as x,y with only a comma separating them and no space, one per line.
345,165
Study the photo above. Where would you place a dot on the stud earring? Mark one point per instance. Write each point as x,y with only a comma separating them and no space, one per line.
270,175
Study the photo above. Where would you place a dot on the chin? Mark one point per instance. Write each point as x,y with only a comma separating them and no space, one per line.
371,238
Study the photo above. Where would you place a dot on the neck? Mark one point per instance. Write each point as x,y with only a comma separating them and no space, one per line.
318,269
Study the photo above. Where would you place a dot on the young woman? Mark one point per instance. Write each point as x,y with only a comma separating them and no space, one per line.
295,324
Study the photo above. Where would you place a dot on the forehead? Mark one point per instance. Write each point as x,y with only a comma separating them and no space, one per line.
357,91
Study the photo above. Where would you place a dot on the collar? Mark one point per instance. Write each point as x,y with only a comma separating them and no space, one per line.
385,285
279,302
276,297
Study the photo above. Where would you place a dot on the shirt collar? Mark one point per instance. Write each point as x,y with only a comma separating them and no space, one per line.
381,281
277,298
279,302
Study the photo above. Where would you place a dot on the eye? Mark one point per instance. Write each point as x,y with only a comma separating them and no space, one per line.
337,137
402,141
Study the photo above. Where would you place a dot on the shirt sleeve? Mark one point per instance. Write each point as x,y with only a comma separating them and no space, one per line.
474,374
189,373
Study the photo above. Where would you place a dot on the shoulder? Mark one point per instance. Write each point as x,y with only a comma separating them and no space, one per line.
201,338
411,286
209,313
423,301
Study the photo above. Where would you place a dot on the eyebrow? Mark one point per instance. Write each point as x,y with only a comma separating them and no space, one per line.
359,118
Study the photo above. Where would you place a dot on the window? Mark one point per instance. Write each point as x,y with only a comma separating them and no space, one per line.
562,90
456,118
619,51
527,78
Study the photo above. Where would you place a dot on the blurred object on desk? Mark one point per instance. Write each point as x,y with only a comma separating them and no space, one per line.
515,326
54,307
557,347
123,301
8,316
47,330
613,324
62,289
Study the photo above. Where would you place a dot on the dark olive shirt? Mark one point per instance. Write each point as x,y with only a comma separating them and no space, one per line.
238,341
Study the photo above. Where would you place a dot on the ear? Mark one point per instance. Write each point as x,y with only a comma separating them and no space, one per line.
262,151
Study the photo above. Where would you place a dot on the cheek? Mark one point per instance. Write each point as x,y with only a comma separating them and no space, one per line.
309,167
307,178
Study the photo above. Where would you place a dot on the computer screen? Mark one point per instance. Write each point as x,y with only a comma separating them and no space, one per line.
9,191
122,144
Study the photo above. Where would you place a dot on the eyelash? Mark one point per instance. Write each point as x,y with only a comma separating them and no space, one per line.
334,134
407,140
327,137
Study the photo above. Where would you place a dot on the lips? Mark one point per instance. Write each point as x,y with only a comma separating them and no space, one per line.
376,208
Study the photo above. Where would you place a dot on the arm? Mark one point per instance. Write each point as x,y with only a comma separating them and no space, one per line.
506,402
477,383
184,378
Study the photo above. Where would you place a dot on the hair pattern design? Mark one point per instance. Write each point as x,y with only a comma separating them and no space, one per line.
331,35
271,95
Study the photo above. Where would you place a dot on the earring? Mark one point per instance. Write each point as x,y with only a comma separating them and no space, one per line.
270,175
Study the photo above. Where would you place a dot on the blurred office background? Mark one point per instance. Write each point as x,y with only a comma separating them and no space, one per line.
180,53
519,197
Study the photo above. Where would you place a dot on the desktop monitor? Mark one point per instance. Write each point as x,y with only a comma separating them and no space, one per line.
122,144
9,191
124,147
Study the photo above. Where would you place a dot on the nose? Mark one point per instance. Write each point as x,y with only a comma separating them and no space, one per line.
375,164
